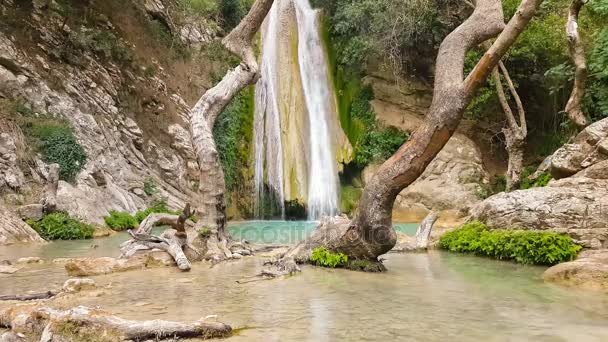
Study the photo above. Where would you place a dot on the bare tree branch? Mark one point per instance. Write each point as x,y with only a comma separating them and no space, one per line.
574,107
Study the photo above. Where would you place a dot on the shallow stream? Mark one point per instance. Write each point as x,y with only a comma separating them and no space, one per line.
423,297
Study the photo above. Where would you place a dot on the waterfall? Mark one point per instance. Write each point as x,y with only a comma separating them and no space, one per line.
317,146
323,184
268,145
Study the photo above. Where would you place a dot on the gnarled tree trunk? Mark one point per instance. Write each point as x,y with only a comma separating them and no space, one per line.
203,116
515,133
370,233
574,107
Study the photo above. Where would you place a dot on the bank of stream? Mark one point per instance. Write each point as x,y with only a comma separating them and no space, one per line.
427,296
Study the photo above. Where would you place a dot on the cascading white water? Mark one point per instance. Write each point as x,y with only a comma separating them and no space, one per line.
323,182
319,100
268,145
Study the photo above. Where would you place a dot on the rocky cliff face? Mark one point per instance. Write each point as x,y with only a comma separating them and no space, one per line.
576,205
131,122
451,181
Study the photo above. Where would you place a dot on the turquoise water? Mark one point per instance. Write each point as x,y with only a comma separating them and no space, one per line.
288,232
434,296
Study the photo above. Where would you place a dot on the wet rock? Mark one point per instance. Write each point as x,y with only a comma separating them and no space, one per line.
5,269
242,252
61,260
84,267
29,260
9,269
78,285
589,271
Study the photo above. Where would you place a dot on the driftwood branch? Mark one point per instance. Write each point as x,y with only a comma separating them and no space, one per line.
170,242
35,296
91,321
423,234
574,107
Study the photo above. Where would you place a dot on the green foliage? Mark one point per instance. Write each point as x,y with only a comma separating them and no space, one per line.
204,8
371,140
294,210
204,232
526,247
378,145
349,198
158,207
540,182
323,257
232,12
496,185
102,43
161,33
150,187
60,226
364,29
120,221
57,144
233,134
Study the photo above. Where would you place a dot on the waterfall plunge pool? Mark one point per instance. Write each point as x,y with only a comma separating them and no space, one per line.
431,296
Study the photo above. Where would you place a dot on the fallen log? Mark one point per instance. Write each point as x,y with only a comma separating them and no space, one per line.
50,324
170,242
34,296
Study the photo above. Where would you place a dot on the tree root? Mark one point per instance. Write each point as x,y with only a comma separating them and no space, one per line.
52,324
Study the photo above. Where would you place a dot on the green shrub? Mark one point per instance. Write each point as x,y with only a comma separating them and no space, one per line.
526,247
349,198
233,135
57,144
540,182
150,187
323,257
158,207
120,221
204,232
60,226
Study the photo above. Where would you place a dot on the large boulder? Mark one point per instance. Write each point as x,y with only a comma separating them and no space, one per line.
14,230
589,271
577,205
588,148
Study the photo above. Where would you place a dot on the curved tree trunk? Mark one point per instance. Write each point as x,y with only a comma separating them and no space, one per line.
370,233
574,107
211,104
